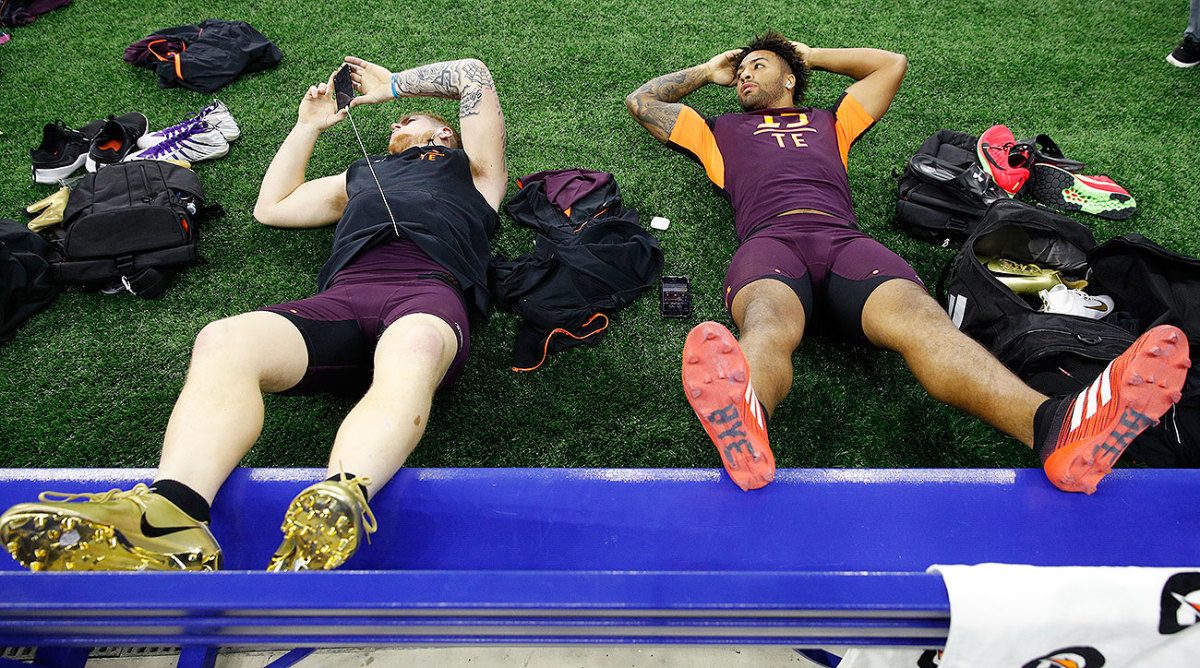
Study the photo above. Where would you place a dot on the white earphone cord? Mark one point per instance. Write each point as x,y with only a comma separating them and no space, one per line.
377,184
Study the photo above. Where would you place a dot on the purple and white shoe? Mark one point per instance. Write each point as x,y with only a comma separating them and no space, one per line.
200,142
216,115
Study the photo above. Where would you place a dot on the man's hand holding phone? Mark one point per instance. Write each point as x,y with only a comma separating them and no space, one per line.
373,82
318,108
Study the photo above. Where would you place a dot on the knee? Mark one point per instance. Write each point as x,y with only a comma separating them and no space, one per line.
221,341
424,343
215,337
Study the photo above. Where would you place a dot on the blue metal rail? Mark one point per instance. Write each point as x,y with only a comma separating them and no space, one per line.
561,556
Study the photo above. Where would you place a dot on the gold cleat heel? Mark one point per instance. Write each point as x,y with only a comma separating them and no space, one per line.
323,526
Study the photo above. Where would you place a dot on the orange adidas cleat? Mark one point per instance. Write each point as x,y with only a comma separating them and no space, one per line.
1093,428
716,378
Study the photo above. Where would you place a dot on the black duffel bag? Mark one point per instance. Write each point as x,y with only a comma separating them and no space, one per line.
1059,354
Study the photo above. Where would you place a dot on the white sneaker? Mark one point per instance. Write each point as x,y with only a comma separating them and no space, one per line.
1061,299
200,143
216,115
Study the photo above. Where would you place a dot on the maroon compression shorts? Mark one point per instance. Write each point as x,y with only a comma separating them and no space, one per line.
831,266
342,324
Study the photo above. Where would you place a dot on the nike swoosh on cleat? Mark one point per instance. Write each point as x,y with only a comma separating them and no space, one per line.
1103,308
151,531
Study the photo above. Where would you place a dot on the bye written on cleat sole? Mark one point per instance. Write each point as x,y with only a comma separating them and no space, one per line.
1129,396
716,380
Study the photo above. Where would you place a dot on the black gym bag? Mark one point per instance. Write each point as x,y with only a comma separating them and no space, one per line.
132,225
1059,354
942,194
25,284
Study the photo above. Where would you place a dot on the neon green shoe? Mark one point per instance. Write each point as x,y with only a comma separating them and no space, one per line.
118,530
1026,278
323,526
1098,195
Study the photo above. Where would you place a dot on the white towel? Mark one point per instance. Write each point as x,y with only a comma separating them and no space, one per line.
1014,616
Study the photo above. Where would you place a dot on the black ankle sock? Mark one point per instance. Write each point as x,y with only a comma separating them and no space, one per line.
350,476
766,416
188,500
1046,425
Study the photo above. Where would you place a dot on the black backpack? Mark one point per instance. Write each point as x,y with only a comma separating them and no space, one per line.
132,225
25,284
942,194
1059,354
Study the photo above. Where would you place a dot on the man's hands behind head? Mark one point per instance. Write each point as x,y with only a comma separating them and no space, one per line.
373,82
803,49
722,68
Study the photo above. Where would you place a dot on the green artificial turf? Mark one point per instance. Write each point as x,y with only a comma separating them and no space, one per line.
91,380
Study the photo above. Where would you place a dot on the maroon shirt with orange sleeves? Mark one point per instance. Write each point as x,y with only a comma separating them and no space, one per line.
775,160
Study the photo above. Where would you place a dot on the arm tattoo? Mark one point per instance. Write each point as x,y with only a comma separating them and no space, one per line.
464,80
653,103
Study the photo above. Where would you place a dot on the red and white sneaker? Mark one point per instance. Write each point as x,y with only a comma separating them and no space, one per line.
1093,428
716,378
1006,161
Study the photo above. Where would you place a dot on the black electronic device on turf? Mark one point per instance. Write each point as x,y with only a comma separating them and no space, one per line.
675,297
343,87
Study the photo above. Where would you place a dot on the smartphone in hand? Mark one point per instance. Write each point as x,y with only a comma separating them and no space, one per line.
343,87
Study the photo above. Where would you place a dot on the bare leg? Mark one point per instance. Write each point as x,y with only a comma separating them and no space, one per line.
900,315
770,322
383,428
219,413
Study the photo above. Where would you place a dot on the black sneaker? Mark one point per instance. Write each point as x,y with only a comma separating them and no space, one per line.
1187,54
117,139
62,151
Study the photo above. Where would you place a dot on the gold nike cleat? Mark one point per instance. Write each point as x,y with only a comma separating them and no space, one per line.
118,530
323,525
1026,278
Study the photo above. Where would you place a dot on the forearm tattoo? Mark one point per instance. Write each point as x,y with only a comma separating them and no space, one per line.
464,80
651,102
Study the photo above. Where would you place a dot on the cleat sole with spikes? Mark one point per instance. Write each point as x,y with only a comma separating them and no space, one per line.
322,527
1062,190
716,382
1146,381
